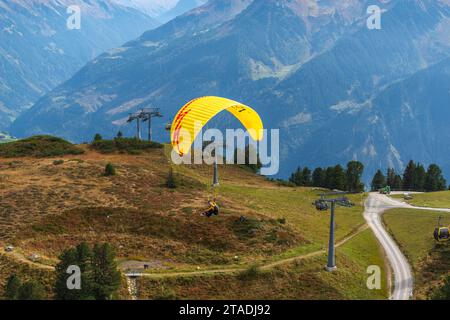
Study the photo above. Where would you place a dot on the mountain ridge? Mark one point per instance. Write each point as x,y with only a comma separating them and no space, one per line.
54,52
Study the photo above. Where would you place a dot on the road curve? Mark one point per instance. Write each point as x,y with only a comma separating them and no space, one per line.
375,205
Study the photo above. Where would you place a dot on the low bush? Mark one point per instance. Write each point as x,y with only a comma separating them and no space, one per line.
110,170
124,145
250,273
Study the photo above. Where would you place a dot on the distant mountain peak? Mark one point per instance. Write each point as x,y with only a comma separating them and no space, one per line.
38,51
153,8
336,90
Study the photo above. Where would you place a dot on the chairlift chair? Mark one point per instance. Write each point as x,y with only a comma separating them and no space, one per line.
441,234
321,205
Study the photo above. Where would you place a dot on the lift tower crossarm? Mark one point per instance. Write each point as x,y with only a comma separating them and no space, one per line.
147,115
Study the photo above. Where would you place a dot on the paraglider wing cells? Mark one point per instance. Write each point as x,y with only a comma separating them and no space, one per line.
191,118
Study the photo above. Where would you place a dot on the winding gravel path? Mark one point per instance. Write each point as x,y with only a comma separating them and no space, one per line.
376,204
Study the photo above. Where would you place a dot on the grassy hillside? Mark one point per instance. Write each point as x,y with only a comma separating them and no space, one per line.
50,203
413,230
300,279
26,272
439,199
38,146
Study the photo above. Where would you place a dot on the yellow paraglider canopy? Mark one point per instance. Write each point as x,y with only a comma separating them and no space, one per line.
196,114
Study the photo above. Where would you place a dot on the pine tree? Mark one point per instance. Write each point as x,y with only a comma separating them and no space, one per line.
98,137
354,172
338,178
394,180
306,177
12,287
378,181
390,177
329,178
84,262
251,150
434,179
31,291
119,135
246,157
105,274
296,177
318,178
409,176
419,178
398,183
67,258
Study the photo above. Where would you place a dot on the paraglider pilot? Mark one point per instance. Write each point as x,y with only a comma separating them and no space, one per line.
212,210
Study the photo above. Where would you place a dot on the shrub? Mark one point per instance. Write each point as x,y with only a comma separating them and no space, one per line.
165,294
247,228
124,145
12,287
443,292
31,291
58,162
110,170
250,273
281,220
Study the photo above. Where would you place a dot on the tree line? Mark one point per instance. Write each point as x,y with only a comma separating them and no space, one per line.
99,278
414,178
337,177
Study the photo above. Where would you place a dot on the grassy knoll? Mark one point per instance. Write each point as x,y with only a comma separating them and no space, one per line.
439,199
38,146
413,230
302,279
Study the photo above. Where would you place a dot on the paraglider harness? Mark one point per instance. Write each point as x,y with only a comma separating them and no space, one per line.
212,210
441,234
